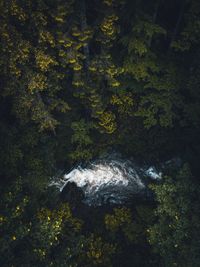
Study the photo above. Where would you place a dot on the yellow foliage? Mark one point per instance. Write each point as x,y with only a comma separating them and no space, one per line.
120,217
83,38
124,103
43,61
112,71
47,37
77,83
108,2
20,55
92,68
98,251
107,121
38,82
75,32
78,46
72,60
59,19
41,252
115,83
108,27
17,11
77,67
115,100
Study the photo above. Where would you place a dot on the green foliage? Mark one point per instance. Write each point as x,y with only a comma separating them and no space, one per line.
132,228
50,227
120,218
82,140
189,34
107,121
99,253
79,78
174,235
124,103
54,235
15,228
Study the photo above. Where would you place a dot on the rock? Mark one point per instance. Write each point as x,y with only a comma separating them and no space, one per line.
72,194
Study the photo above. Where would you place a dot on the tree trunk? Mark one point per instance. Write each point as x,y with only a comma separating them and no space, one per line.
174,34
84,27
154,19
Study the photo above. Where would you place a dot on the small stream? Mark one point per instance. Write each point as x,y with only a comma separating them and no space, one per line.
110,180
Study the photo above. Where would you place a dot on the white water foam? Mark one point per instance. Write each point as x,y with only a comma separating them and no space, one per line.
108,181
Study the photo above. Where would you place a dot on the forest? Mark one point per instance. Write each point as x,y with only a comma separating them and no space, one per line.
80,79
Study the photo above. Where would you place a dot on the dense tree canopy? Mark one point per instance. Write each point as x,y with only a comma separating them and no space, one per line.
80,79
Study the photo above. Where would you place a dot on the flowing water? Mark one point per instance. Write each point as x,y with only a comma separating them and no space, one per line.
109,180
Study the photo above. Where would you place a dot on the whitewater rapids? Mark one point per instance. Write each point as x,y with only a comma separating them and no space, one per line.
109,181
